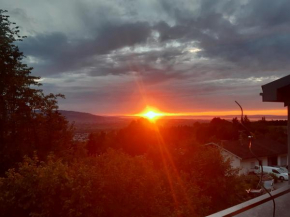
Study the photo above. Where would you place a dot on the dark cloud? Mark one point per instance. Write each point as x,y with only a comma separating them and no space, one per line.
59,54
264,13
175,48
252,35
255,35
112,37
47,47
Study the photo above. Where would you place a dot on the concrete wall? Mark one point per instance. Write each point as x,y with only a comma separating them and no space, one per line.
247,165
266,209
261,205
235,161
282,160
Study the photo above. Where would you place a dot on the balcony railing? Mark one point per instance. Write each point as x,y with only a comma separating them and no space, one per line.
261,206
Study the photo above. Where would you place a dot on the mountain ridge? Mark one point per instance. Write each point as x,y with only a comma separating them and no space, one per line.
85,117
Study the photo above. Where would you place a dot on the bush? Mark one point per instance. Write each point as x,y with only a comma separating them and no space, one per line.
113,184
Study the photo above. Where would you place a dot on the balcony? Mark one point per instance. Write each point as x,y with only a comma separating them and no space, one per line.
261,206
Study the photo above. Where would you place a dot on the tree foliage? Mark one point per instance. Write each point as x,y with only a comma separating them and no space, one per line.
114,184
28,118
96,143
117,184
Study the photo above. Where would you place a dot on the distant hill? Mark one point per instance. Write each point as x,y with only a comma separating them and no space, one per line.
83,117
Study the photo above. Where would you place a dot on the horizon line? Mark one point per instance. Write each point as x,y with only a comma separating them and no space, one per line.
274,112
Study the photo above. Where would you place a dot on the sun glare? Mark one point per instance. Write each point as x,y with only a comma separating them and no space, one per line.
151,115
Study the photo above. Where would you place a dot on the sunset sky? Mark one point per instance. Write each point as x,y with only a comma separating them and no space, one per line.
113,57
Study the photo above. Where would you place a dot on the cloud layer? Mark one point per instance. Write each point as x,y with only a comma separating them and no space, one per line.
117,56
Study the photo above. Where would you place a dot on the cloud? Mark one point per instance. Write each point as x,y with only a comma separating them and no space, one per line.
173,48
220,29
253,35
60,54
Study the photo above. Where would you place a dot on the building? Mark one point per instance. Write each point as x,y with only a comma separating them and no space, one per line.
279,201
270,152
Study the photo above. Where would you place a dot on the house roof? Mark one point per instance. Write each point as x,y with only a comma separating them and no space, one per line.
260,147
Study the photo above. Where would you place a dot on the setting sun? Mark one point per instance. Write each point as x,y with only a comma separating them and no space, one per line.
151,115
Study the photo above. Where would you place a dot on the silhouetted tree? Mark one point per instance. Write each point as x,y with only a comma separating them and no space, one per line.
246,121
92,145
29,120
222,129
114,184
235,122
138,137
96,143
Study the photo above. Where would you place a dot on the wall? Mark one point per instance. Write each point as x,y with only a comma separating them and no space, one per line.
261,205
247,164
266,209
282,160
235,161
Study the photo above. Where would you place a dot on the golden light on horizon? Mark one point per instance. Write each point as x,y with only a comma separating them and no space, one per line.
152,113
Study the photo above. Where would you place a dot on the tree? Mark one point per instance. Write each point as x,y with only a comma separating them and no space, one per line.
208,169
236,122
138,137
246,121
96,143
114,184
28,118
